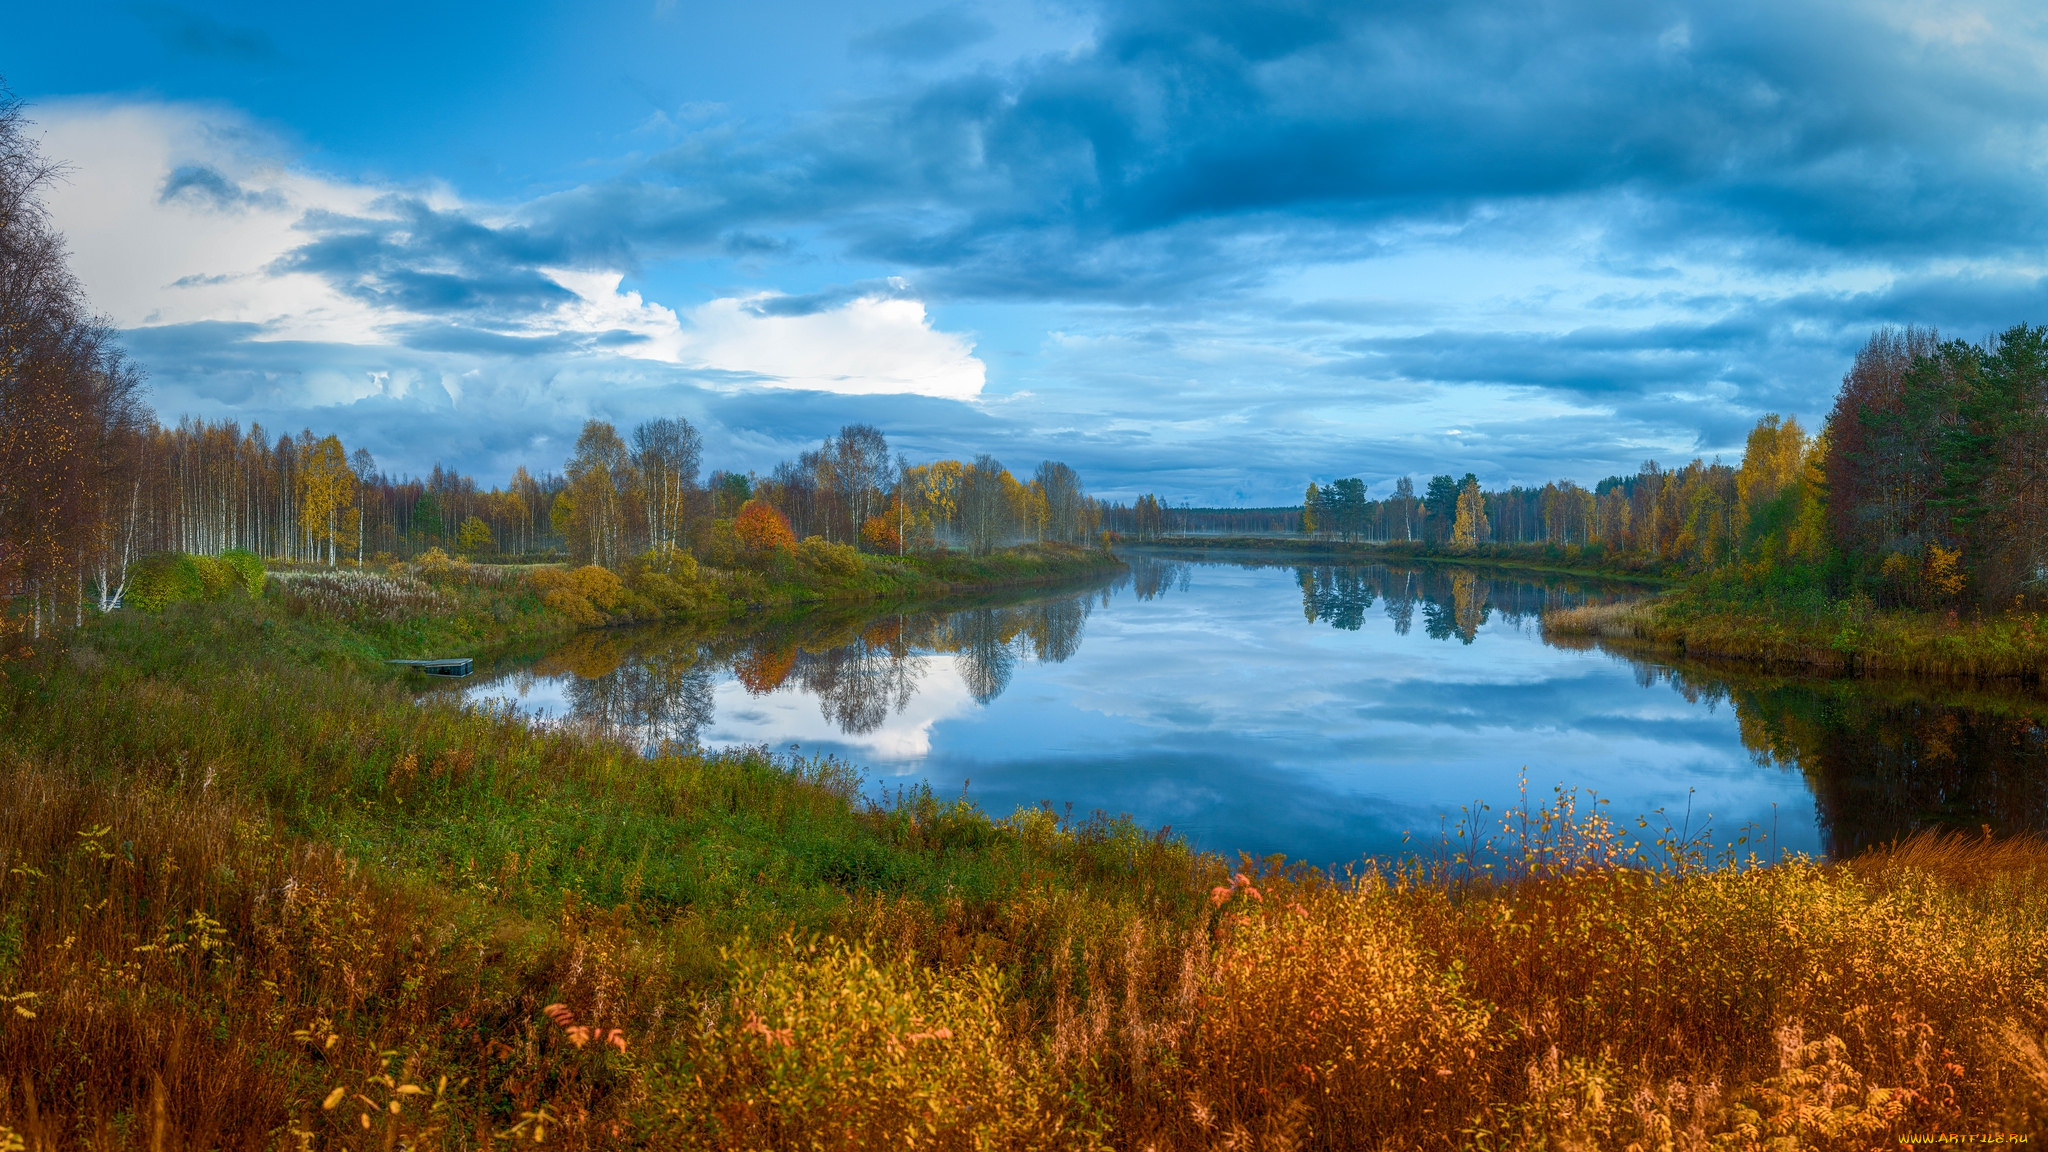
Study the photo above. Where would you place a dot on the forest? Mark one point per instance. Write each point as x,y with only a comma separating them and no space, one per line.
1926,486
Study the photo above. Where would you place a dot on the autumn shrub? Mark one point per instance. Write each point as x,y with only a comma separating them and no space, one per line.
670,581
818,557
880,533
442,570
820,1045
761,528
1331,1013
583,594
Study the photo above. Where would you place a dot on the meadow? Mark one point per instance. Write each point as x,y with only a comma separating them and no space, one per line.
256,892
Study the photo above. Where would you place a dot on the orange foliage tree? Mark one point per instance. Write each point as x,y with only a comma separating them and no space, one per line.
761,527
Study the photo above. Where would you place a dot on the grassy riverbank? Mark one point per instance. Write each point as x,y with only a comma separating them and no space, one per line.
251,887
1848,636
1570,560
440,606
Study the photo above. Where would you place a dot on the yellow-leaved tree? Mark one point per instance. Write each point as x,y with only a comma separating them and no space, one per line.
1470,527
474,536
327,498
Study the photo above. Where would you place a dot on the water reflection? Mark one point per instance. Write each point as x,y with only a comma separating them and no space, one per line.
654,687
1884,759
1455,602
1298,708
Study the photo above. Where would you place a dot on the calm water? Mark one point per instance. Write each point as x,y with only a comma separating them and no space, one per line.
1320,711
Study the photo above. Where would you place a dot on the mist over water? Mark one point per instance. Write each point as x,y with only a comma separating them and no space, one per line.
1327,712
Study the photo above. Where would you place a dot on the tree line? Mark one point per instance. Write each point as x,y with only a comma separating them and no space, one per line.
91,482
1926,485
1658,512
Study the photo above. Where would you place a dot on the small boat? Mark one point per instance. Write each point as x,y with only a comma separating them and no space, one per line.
459,666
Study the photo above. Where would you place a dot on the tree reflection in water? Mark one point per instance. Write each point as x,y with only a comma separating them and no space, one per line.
1884,758
648,698
1455,602
654,687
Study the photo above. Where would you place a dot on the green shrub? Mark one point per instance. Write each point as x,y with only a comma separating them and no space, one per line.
156,582
816,555
217,576
248,566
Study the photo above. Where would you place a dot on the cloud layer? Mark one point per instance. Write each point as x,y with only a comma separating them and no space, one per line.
1212,248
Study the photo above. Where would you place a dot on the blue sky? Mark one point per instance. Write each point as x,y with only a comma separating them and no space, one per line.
1208,250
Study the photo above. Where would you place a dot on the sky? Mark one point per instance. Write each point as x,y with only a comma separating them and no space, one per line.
1208,250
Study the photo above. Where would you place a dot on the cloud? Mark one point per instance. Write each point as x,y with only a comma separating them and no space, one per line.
200,184
1193,147
871,339
933,36
190,33
1203,249
239,245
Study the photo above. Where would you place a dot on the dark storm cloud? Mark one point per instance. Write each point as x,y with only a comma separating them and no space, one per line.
1194,149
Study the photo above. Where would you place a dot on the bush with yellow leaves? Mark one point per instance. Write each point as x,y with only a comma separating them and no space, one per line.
820,557
1329,1000
583,594
821,1045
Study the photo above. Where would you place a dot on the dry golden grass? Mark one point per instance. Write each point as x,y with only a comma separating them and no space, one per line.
1588,622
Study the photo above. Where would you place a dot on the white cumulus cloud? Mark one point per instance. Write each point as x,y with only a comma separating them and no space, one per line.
180,214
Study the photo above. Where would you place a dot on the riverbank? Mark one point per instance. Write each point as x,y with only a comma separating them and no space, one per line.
438,604
1563,560
240,863
1844,637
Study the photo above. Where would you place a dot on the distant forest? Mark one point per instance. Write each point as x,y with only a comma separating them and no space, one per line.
1927,485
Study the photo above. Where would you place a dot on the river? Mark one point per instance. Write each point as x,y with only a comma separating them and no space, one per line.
1325,712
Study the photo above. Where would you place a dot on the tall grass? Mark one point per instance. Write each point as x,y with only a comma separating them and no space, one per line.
254,894
1802,629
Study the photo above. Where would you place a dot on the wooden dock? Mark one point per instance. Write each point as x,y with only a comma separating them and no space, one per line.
459,666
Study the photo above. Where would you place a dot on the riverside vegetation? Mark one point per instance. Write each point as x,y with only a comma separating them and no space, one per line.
255,892
1907,537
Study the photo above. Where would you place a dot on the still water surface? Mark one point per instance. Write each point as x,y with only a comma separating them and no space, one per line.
1320,711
